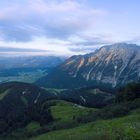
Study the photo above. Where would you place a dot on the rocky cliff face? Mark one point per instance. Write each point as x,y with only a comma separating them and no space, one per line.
112,65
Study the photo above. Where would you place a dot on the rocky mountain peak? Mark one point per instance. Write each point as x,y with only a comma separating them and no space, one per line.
111,65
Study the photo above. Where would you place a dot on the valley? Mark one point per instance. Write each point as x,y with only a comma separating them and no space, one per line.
48,114
69,70
27,69
120,128
70,99
29,75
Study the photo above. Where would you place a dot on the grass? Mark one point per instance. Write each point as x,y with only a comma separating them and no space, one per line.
3,94
124,128
54,90
64,126
29,77
65,110
32,127
62,112
24,100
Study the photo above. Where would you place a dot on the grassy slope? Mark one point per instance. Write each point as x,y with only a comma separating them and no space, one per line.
3,94
65,110
32,127
124,128
62,112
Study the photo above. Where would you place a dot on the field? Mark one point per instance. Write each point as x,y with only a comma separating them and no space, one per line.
117,121
22,76
64,126
3,94
124,128
65,112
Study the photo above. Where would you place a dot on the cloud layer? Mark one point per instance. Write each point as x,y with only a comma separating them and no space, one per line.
60,25
23,20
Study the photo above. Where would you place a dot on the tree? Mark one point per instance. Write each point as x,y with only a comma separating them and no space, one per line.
128,93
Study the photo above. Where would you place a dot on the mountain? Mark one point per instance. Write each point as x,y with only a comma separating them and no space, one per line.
110,66
90,97
27,69
21,103
28,113
30,62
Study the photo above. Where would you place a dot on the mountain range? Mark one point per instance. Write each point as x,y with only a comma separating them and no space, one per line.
30,62
111,66
27,68
88,94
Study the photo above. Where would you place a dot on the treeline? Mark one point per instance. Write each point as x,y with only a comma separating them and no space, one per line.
118,108
128,93
127,99
39,112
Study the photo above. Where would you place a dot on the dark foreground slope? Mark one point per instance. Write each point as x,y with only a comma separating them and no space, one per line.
21,103
69,121
90,97
117,121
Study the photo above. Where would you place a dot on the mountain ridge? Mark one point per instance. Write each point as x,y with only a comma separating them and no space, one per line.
111,66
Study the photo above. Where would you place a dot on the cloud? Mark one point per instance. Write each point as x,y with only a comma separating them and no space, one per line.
16,51
13,49
82,50
23,20
91,41
87,43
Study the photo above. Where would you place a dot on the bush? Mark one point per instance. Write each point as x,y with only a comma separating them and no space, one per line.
110,112
128,93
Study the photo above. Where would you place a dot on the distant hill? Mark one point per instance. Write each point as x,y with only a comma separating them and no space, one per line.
28,112
109,67
30,62
27,68
21,103
90,97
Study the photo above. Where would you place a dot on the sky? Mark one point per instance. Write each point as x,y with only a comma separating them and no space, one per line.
67,27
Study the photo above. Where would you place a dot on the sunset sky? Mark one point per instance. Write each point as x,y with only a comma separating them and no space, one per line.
68,26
